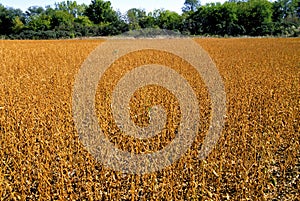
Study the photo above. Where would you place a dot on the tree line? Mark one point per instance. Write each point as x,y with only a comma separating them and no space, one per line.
68,19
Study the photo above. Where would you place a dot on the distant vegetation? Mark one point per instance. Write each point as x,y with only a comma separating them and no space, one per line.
68,19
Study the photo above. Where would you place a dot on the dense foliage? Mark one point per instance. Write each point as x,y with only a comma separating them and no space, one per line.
233,18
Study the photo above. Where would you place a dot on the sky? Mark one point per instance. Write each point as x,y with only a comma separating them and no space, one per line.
121,5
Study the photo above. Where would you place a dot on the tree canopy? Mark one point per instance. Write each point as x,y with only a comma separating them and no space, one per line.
191,5
68,19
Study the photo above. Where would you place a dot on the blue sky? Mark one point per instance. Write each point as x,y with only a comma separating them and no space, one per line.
122,5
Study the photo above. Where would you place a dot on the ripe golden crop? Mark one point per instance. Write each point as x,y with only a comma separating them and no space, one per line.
257,156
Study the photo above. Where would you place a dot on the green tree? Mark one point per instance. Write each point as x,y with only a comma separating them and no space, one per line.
10,20
84,21
135,17
213,19
286,18
34,10
191,5
255,16
100,11
71,7
39,22
148,21
230,19
62,19
18,25
168,19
